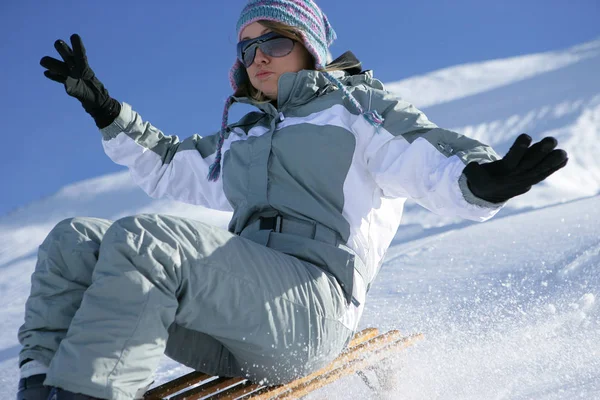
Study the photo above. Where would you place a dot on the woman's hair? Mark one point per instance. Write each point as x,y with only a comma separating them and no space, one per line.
247,90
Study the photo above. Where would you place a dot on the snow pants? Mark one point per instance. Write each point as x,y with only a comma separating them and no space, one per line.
108,299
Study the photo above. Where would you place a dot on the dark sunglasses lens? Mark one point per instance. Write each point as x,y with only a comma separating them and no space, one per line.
279,47
248,55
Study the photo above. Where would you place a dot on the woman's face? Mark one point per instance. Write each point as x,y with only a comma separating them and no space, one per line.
265,71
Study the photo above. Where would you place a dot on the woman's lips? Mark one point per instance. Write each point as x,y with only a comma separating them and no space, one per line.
263,74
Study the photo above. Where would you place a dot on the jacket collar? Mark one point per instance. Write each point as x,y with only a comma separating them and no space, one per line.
294,89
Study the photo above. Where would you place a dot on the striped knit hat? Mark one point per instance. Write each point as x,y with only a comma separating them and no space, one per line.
316,33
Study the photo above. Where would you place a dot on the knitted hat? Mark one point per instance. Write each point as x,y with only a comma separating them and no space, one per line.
315,30
316,34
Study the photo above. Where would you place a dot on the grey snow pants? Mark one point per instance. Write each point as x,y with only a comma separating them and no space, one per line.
108,299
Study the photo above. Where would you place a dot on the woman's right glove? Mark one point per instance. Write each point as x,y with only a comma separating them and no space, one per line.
522,167
81,82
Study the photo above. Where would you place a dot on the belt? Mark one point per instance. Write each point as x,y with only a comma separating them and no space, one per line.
292,226
262,224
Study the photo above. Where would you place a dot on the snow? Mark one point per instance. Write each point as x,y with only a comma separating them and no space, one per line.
509,308
465,80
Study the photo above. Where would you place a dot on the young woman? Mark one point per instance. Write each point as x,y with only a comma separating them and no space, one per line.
316,180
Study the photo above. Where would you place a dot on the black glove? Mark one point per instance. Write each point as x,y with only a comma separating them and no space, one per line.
81,82
522,167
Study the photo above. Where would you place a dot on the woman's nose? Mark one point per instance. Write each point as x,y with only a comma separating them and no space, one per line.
261,57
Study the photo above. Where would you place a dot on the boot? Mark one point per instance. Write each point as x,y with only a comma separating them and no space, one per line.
32,388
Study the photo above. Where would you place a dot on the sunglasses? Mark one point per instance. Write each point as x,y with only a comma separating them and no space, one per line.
272,44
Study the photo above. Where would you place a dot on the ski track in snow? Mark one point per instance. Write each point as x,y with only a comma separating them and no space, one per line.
509,308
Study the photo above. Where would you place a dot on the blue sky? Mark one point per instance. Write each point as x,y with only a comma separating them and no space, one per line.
170,61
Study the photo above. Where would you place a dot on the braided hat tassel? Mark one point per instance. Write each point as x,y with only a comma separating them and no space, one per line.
215,169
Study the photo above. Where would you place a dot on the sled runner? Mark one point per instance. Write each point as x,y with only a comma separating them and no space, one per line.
366,348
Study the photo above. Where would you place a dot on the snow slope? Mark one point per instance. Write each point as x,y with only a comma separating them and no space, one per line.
509,307
555,93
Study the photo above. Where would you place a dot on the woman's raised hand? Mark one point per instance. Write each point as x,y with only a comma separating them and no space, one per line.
522,167
80,81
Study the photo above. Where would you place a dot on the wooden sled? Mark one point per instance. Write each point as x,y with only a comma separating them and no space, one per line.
366,349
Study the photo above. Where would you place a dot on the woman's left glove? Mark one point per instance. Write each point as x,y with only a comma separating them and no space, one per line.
522,167
81,82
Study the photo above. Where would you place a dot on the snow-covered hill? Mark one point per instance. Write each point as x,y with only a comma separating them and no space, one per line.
509,307
547,94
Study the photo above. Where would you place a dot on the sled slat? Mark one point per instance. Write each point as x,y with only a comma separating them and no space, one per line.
176,385
208,388
240,391
363,336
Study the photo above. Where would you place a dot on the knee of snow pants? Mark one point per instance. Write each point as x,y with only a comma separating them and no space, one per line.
63,272
118,335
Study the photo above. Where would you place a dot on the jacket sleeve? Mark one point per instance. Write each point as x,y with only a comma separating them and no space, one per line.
163,166
409,156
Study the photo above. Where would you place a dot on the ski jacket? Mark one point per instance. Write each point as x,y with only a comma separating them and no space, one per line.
314,159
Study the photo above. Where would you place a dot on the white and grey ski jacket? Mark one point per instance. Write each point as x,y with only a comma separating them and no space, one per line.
313,158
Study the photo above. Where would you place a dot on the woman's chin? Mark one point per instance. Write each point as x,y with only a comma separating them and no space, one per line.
270,93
